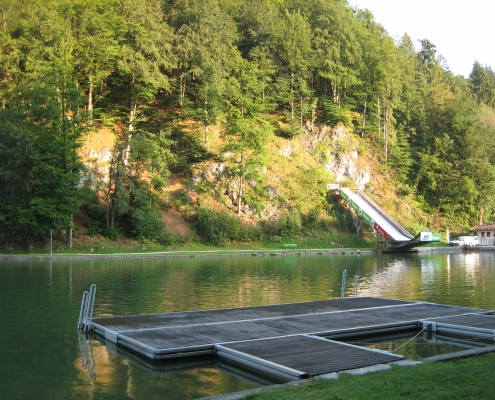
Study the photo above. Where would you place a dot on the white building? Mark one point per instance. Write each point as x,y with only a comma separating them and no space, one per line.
486,234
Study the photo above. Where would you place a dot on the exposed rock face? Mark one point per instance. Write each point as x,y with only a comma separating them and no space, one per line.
212,173
287,151
215,171
343,160
344,166
342,156
312,135
271,192
272,210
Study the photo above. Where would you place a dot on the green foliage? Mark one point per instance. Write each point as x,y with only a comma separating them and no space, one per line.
247,130
291,129
482,84
181,198
170,239
290,224
147,224
186,150
216,228
401,157
41,183
94,228
220,228
312,217
113,233
336,114
162,75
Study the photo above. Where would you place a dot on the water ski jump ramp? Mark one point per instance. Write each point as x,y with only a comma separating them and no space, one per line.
394,234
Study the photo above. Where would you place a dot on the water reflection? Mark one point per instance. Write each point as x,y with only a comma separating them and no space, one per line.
88,362
191,365
112,370
416,345
44,358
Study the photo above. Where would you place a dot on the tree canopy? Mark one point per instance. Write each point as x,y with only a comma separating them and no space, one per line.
149,70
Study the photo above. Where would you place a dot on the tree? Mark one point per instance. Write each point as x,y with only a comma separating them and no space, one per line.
337,49
9,55
292,41
205,46
246,131
145,57
97,30
41,185
482,84
43,114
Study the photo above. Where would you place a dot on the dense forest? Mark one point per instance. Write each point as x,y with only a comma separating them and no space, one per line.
178,83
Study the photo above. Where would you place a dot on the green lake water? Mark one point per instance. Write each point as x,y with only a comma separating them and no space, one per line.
44,357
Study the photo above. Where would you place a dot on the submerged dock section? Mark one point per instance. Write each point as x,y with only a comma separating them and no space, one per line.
290,340
301,356
474,325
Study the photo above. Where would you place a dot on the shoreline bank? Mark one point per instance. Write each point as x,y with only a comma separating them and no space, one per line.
231,253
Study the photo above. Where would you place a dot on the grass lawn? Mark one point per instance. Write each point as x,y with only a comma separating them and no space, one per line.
469,378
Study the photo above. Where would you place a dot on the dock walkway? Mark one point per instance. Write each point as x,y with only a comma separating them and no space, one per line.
183,334
301,356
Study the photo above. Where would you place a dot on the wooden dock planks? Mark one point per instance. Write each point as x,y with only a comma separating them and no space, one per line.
149,321
302,356
174,335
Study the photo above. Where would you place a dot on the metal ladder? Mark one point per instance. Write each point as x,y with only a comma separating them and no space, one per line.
342,287
86,312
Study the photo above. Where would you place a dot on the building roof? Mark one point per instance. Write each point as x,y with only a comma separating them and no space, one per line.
484,227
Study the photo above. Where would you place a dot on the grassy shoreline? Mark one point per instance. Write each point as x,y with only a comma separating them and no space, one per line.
275,249
194,253
465,378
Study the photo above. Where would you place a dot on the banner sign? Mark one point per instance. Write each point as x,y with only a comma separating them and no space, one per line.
436,237
379,229
368,219
426,236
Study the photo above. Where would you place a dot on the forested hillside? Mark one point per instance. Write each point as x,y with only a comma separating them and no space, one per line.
229,113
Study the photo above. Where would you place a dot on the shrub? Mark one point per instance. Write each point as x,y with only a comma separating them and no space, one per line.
215,228
113,233
335,114
94,228
219,228
97,212
312,217
181,198
291,224
270,230
147,224
250,233
169,238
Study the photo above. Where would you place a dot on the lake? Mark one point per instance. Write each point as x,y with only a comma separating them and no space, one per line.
45,357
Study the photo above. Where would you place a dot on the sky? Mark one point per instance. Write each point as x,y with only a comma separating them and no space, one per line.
462,31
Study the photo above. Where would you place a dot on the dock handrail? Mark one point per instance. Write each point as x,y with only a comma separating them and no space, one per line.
86,311
342,289
83,309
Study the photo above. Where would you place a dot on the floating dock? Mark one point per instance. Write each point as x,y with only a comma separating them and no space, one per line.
477,325
301,356
292,332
